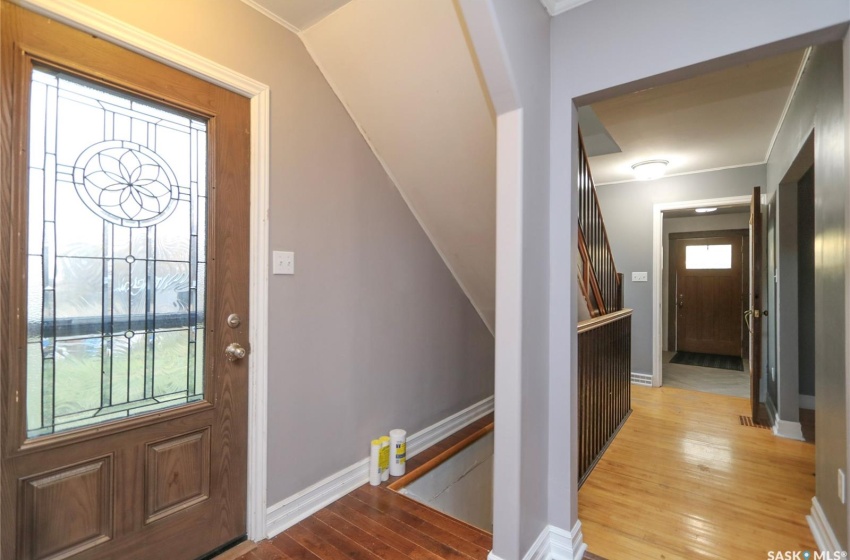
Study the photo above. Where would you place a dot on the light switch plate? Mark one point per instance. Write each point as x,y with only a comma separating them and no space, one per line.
639,276
283,262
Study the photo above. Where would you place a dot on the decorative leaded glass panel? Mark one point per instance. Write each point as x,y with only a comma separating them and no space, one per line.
117,251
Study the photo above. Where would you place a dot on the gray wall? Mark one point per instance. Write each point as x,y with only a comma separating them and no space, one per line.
819,104
372,332
686,225
511,39
627,210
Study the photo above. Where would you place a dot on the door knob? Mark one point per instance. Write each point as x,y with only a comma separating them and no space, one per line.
234,351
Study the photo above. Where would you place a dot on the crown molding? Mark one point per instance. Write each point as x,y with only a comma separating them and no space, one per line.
272,16
555,7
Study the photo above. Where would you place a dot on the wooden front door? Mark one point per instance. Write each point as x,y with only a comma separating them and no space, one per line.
125,201
708,288
754,313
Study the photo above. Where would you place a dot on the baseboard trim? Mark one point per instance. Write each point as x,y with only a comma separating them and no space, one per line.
644,379
293,509
787,429
821,529
807,402
554,543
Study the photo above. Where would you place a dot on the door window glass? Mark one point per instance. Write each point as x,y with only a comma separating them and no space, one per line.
708,257
116,255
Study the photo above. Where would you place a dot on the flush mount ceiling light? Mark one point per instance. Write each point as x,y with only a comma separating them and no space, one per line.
648,170
705,210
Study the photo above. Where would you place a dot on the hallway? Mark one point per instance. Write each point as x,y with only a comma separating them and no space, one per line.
684,480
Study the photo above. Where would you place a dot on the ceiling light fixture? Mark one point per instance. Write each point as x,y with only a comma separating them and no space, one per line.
705,210
648,170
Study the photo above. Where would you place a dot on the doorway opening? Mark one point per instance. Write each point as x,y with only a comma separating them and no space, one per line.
706,286
700,285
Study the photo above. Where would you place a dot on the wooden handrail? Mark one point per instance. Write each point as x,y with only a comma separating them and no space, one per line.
596,322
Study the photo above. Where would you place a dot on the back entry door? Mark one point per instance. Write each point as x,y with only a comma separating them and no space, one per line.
708,295
125,204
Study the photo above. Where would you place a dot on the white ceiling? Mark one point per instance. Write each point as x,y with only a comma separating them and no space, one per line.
298,15
718,120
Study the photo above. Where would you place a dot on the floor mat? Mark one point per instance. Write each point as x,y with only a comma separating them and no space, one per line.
708,360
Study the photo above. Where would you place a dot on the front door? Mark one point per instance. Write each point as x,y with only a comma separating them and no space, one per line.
708,288
124,197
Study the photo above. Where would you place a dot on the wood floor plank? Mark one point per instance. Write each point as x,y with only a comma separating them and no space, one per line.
267,551
379,502
343,543
288,546
315,544
399,542
427,542
376,547
684,480
455,526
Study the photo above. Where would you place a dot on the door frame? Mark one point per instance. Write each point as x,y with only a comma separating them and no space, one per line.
658,210
81,16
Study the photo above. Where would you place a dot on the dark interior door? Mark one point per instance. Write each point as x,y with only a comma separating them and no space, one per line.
708,288
754,312
125,203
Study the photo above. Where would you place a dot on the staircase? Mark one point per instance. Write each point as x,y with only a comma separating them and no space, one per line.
604,340
600,283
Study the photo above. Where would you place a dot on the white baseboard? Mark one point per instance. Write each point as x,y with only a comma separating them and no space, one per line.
786,429
554,543
293,509
644,379
821,530
807,402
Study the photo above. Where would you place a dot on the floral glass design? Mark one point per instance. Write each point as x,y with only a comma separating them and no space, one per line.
125,183
117,250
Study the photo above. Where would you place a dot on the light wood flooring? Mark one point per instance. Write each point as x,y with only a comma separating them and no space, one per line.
684,480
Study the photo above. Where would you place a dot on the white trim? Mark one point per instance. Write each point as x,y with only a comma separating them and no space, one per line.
556,7
540,547
81,16
644,379
272,16
788,429
683,173
807,402
396,183
657,262
821,529
422,440
300,505
554,543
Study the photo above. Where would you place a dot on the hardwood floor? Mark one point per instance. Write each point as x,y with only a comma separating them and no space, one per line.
684,480
378,523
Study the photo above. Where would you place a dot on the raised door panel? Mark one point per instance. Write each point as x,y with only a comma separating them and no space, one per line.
177,474
66,511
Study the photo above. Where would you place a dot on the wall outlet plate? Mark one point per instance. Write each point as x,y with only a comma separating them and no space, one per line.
639,276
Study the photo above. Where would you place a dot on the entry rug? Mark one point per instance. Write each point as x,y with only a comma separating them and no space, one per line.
708,360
